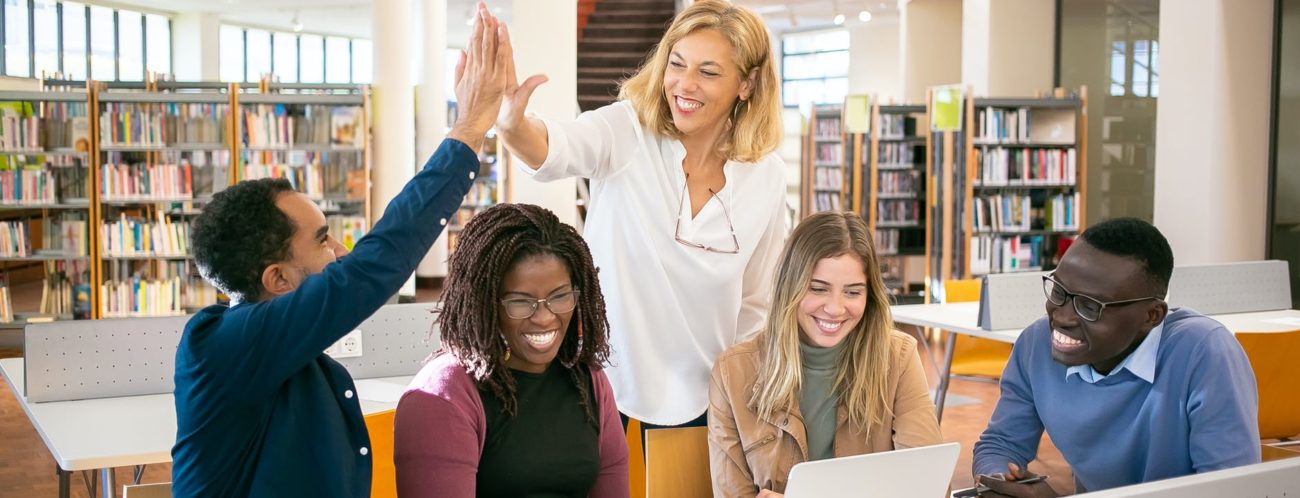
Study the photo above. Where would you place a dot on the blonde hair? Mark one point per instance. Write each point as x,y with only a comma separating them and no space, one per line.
756,127
863,369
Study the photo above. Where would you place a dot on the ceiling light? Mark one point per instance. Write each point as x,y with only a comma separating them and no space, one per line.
864,16
839,19
296,23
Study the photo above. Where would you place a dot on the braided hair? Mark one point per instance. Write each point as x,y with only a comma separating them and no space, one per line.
489,246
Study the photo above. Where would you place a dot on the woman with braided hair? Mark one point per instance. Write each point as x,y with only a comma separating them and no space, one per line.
515,403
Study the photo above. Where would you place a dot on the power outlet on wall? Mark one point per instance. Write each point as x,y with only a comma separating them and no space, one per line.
347,347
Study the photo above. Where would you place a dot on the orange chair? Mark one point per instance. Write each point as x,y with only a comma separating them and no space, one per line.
1273,358
635,459
677,463
973,356
383,483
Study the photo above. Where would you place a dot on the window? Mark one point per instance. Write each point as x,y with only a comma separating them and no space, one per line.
17,49
74,41
338,65
311,55
45,17
231,63
293,57
362,68
258,53
286,57
158,44
814,67
103,66
130,46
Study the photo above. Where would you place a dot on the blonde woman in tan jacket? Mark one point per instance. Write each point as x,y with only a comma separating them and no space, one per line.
827,377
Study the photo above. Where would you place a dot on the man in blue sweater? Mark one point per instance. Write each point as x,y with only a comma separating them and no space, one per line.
261,412
1129,390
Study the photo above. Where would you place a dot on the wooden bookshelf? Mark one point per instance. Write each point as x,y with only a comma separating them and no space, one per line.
893,155
150,156
1008,187
826,157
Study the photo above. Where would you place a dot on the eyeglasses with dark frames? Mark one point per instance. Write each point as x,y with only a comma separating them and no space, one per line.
677,232
1088,308
522,308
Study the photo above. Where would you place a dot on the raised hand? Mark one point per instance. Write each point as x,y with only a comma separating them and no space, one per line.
481,77
515,100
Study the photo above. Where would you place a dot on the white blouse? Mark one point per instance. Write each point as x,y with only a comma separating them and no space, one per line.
672,308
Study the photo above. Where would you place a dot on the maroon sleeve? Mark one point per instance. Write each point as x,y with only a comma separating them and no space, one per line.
437,439
612,482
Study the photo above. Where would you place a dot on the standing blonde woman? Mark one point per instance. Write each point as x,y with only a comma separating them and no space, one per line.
827,377
687,202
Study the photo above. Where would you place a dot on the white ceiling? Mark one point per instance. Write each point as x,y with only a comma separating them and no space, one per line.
354,18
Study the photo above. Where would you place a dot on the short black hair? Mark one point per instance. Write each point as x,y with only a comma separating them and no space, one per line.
1136,239
239,234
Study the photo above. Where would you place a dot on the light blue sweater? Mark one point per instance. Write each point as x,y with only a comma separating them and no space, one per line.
1199,414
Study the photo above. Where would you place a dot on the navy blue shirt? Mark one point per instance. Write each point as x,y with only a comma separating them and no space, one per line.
260,410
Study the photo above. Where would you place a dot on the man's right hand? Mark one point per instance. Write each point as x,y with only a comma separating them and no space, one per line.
481,77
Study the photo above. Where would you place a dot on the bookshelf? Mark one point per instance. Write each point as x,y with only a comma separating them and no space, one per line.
823,171
893,158
1010,186
45,205
98,186
487,189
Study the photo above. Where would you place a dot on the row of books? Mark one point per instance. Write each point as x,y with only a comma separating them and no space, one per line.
304,178
1002,125
886,242
897,126
829,153
341,174
131,125
992,254
828,179
1002,166
826,201
898,212
1061,212
896,155
65,291
134,237
900,182
196,123
827,128
66,235
132,182
28,186
482,194
141,297
18,130
285,126
65,125
347,229
1002,213
13,239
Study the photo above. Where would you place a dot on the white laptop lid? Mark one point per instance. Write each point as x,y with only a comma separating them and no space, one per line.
923,472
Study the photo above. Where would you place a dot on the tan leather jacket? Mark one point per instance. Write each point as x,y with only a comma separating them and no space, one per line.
748,453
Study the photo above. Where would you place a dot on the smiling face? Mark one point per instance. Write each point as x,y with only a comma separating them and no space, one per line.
1103,343
835,301
702,82
534,341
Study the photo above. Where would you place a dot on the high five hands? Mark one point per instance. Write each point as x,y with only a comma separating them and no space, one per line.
484,74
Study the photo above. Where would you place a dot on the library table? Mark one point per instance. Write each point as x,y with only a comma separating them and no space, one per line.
100,434
963,318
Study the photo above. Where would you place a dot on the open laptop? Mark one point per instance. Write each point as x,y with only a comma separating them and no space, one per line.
923,472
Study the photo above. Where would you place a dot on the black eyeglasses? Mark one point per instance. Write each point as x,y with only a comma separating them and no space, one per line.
524,308
1088,308
677,233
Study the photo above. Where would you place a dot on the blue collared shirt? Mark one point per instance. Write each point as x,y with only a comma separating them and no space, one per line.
1142,361
260,411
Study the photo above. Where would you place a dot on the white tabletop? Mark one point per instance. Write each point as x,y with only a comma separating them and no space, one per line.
135,430
963,318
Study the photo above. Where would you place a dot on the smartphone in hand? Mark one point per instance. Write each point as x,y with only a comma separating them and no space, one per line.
980,488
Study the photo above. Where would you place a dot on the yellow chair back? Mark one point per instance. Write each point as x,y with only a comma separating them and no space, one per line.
973,356
1273,358
383,482
677,463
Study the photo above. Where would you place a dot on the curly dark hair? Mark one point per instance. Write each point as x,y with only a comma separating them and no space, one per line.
489,246
1138,240
239,234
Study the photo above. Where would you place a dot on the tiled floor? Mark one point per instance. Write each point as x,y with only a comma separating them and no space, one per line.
27,469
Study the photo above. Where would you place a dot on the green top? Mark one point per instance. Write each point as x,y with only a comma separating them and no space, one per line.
817,399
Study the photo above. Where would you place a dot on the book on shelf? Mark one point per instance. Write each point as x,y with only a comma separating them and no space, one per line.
305,178
141,297
900,182
995,254
6,305
828,128
282,126
13,239
894,155
826,201
1062,212
65,291
345,126
65,234
129,124
28,186
20,129
347,229
886,241
143,182
1002,213
1025,125
64,125
898,212
196,123
828,179
999,166
135,237
829,154
896,126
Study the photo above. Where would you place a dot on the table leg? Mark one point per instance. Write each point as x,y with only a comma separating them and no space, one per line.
65,485
941,392
107,479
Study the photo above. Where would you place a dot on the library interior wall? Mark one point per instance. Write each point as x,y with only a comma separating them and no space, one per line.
1008,46
874,59
1212,128
930,48
195,43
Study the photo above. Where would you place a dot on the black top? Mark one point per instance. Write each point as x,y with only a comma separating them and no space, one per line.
549,449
